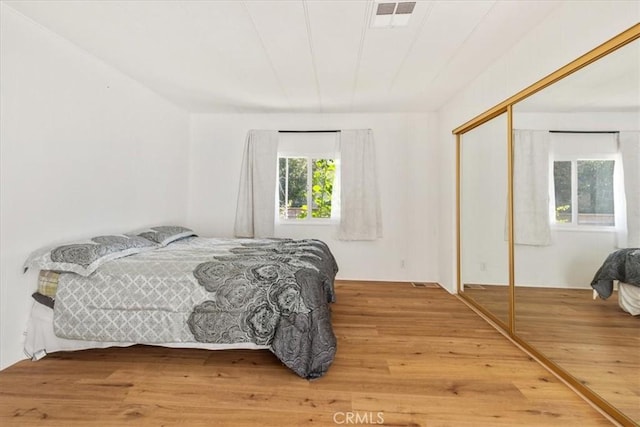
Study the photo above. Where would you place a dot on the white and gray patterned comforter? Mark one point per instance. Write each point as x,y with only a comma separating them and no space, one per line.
268,292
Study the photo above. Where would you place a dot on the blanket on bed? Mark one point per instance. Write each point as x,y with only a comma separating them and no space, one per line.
268,292
622,265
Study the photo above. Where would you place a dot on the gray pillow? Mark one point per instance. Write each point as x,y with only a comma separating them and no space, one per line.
165,234
84,257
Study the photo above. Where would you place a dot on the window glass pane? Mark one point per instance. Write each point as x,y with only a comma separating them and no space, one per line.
282,186
292,191
595,192
322,187
562,185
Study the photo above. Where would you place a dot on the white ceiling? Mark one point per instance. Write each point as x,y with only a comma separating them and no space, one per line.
292,56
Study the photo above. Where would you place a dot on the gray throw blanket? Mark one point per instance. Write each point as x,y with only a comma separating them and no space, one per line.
622,265
283,301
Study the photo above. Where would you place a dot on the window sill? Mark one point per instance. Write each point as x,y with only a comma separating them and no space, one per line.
308,222
583,228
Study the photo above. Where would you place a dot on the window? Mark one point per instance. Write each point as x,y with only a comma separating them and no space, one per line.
308,188
583,192
305,182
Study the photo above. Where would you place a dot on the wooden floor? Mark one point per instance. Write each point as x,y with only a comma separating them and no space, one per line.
406,357
595,341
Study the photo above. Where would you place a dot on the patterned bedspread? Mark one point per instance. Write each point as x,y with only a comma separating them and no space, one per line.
622,265
268,292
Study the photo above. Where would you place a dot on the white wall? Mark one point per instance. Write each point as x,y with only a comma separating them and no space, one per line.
568,32
406,155
84,150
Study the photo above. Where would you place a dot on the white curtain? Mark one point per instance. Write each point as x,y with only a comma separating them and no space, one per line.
629,147
360,212
531,187
255,213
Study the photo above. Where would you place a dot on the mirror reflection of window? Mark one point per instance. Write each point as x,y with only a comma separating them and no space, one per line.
583,179
593,191
563,189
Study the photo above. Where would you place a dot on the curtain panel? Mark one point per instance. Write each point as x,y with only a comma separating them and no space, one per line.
361,213
255,211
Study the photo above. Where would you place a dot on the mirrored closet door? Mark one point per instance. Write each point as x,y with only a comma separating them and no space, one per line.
538,218
570,213
484,266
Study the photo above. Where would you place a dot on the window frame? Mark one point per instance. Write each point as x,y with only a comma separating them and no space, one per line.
309,157
574,159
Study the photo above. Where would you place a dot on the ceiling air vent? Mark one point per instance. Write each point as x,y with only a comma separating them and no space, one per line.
388,14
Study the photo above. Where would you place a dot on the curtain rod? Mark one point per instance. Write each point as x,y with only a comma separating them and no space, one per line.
308,131
584,131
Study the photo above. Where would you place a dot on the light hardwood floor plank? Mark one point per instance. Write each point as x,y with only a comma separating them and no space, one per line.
406,357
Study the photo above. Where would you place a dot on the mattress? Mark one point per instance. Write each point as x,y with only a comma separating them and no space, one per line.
629,298
40,339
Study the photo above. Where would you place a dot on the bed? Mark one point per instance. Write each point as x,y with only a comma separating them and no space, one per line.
623,266
169,287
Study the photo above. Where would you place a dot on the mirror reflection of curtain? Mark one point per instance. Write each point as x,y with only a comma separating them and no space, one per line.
629,147
531,187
